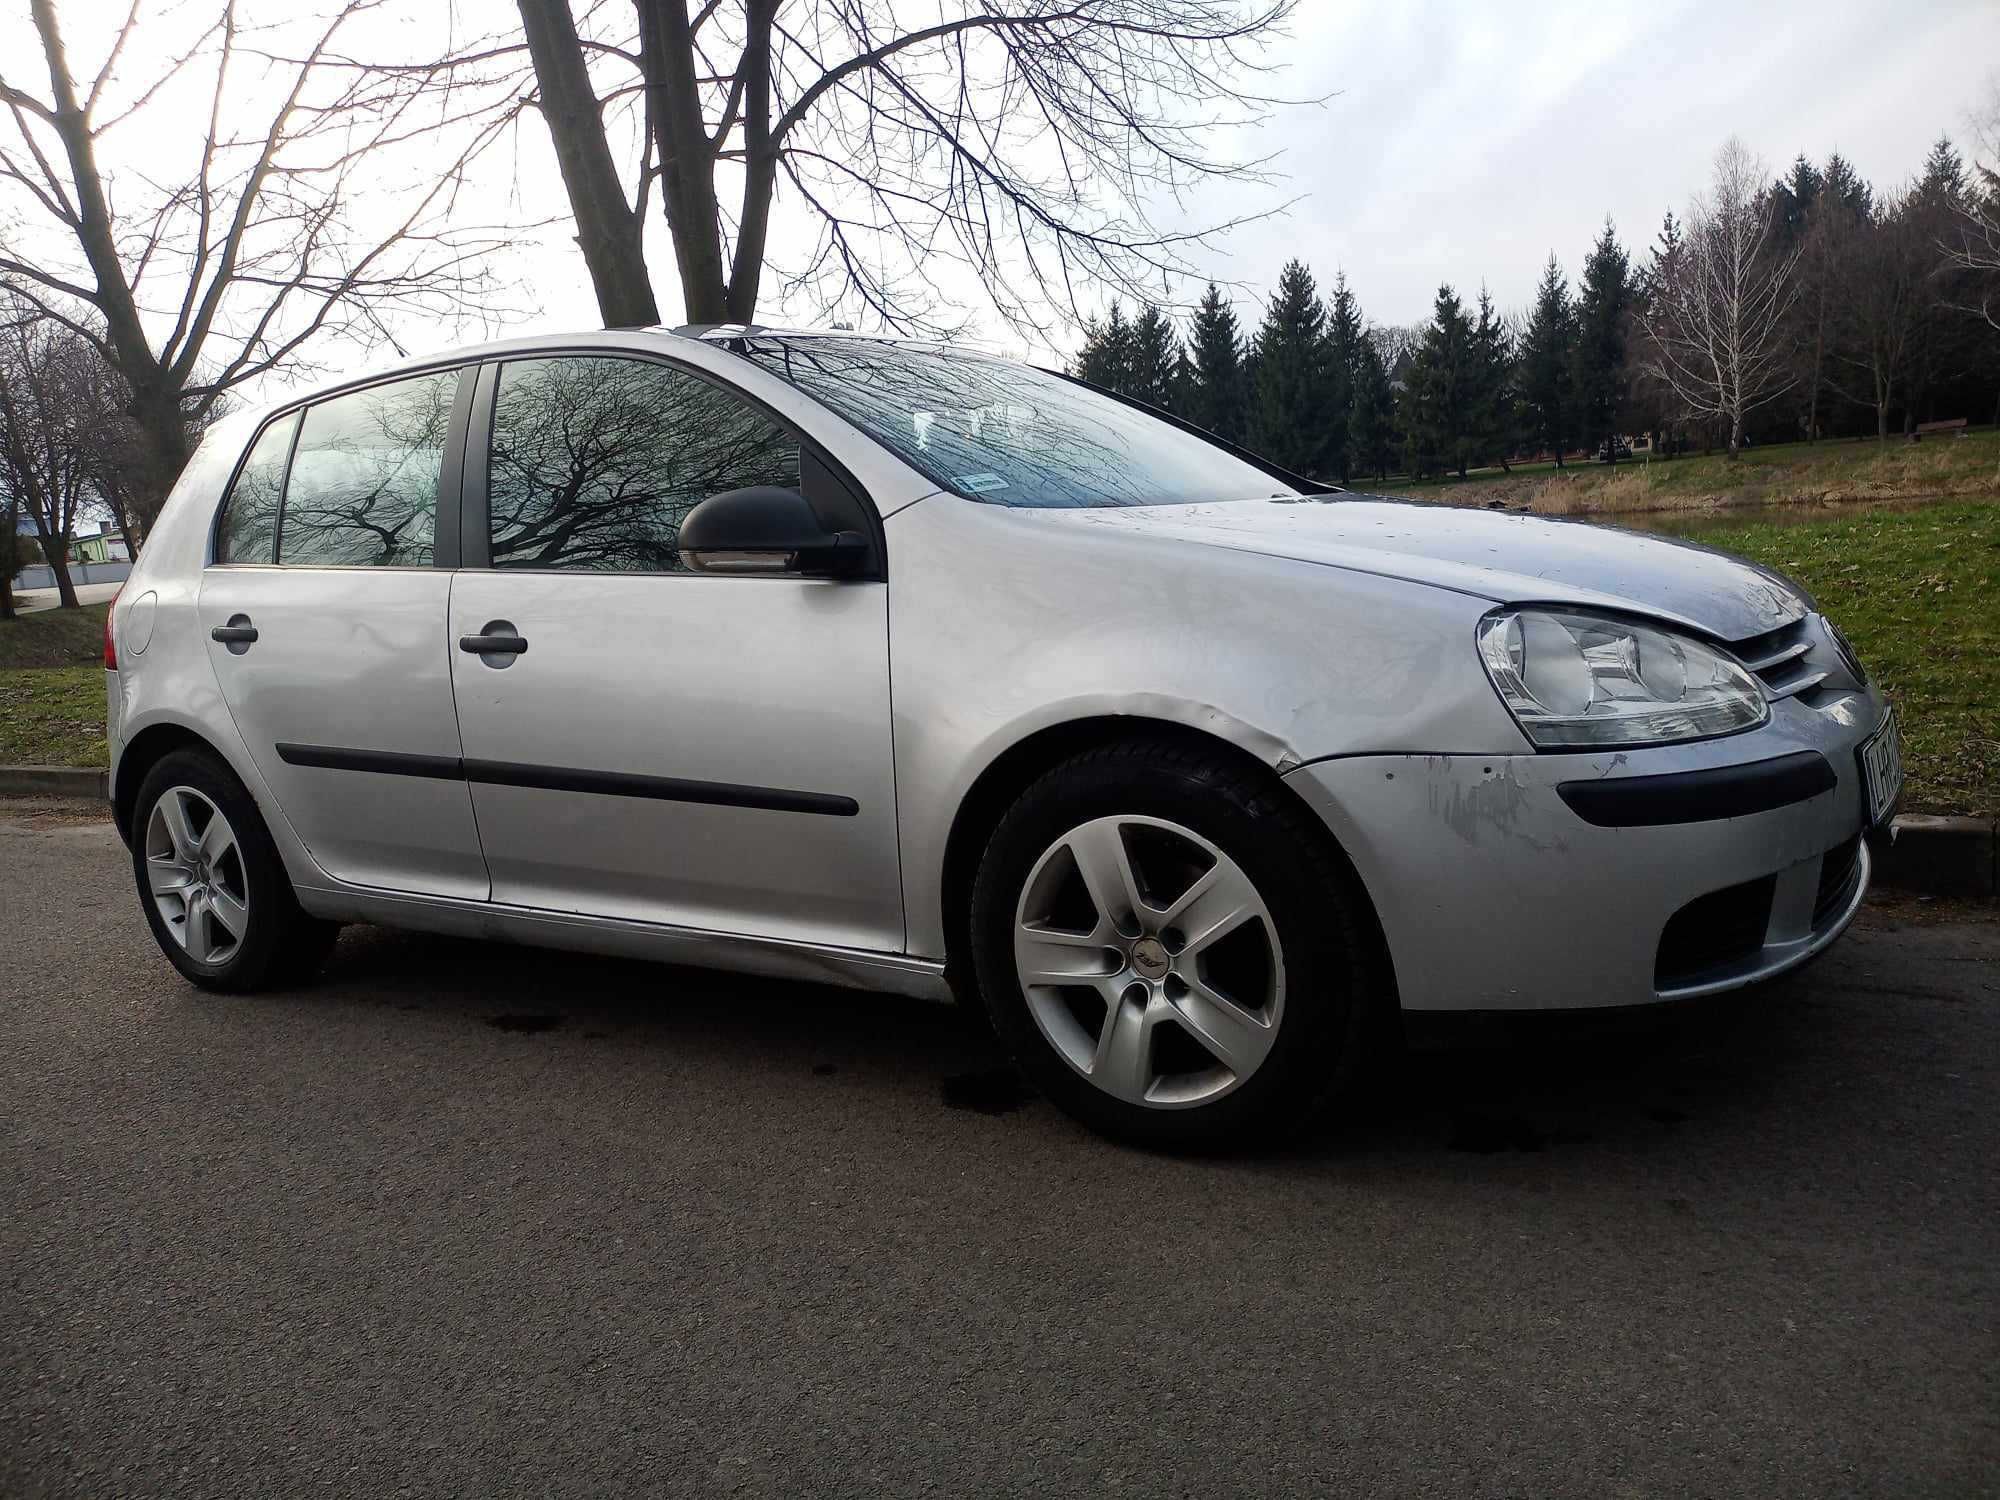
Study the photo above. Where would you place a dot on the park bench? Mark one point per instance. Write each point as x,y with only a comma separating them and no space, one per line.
1925,429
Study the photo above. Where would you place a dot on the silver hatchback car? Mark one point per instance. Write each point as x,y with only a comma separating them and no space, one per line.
891,665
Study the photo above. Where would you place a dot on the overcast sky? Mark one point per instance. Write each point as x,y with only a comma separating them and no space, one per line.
1470,139
1465,139
1461,141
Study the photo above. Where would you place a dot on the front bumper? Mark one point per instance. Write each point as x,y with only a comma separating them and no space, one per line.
1496,894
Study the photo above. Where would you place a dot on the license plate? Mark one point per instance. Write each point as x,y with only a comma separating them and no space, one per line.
1882,769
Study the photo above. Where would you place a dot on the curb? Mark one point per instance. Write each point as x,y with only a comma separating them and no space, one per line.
55,781
1936,856
1930,855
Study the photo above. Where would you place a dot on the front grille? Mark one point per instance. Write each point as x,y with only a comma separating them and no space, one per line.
1848,658
1838,870
1715,931
1782,658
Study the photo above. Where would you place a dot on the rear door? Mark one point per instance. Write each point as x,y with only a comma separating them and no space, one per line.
326,607
688,748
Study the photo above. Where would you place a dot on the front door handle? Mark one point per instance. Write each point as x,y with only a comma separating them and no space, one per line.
238,635
496,644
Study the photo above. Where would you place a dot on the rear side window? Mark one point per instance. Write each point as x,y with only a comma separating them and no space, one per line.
250,519
363,489
595,462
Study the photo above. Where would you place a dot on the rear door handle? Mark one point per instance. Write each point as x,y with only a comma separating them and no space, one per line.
496,644
238,635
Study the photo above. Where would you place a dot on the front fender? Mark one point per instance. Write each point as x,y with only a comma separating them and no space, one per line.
1001,629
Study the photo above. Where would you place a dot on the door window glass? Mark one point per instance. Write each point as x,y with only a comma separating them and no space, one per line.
250,518
364,483
595,462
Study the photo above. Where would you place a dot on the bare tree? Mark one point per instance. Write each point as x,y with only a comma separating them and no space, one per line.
1019,144
10,553
1717,320
1973,244
193,289
1885,296
46,431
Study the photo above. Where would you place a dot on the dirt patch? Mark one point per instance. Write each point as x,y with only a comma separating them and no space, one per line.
52,812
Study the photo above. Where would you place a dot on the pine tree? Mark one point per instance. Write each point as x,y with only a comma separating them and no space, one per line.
1440,405
1651,394
1840,184
1289,400
1943,177
1545,364
1940,337
1106,357
1601,303
1181,401
1371,416
1344,338
1155,350
1493,387
1215,354
1792,199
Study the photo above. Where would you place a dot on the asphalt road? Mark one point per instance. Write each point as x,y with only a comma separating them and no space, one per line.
482,1221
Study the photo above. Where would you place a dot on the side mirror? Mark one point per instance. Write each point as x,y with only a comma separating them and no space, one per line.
767,529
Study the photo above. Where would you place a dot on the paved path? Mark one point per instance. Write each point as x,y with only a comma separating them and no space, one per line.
27,601
460,1219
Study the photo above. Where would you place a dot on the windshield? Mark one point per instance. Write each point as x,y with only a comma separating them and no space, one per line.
1005,433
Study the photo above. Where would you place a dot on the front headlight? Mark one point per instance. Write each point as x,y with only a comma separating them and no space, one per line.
1576,680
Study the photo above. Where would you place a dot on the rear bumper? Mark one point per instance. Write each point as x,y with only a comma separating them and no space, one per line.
1547,882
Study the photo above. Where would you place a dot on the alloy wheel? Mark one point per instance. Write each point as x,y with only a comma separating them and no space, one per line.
1149,961
194,872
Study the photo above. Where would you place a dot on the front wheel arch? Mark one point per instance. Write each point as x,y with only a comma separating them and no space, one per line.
1025,762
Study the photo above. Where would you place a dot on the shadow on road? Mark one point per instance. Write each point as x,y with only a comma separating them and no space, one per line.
1539,1086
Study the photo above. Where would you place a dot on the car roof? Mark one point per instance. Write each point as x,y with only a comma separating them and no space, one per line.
713,335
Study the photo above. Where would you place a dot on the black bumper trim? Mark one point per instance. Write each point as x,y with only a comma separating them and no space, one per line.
1700,796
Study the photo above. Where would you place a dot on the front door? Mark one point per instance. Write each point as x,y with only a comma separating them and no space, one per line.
325,614
646,742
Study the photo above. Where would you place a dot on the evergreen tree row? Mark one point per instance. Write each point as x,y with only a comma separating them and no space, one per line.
1318,389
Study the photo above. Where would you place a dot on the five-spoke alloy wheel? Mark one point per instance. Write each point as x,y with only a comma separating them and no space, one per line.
1171,947
214,888
1149,961
194,869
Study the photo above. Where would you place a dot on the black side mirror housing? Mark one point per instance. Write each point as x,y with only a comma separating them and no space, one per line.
766,528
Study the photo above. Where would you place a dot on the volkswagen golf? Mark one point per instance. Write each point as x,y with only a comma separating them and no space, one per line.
887,664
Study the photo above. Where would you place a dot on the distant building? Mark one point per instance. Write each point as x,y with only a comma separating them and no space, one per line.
105,544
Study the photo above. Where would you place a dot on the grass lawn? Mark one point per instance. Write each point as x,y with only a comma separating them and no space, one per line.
1792,473
53,638
52,688
1918,592
52,716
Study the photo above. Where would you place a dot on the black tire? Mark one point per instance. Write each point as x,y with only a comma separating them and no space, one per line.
280,944
1336,983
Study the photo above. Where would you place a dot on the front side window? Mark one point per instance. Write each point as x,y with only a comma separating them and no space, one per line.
596,461
363,489
1006,433
249,532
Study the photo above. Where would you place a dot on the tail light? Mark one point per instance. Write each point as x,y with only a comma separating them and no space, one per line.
110,644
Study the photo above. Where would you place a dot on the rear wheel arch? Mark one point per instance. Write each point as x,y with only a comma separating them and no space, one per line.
142,752
1014,770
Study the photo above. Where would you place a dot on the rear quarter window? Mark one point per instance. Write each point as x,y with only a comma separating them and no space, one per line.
363,488
249,530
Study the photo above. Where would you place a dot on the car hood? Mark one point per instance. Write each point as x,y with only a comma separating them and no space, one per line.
1503,556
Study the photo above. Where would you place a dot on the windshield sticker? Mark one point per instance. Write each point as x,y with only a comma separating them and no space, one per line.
979,484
